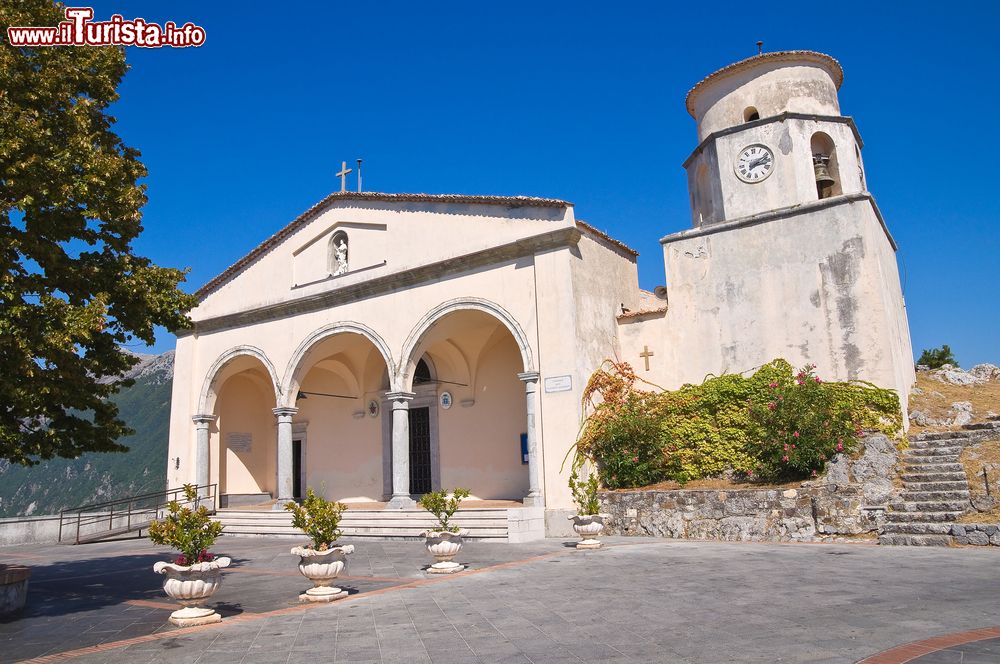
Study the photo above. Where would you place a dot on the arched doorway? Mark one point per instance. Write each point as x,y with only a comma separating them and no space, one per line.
463,372
336,439
240,397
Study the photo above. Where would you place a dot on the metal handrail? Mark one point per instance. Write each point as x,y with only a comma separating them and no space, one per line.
157,501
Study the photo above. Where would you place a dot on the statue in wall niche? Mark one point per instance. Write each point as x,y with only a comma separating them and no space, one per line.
340,257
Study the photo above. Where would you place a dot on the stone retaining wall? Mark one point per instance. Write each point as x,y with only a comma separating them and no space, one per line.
804,514
978,534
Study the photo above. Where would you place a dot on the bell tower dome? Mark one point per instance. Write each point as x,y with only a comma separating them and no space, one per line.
771,136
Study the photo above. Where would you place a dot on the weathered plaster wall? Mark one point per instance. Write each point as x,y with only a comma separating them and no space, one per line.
481,443
812,288
455,229
342,453
770,87
245,405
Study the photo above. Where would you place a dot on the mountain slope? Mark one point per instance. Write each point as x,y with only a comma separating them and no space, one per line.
95,477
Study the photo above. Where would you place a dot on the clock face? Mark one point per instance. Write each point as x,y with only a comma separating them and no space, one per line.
754,163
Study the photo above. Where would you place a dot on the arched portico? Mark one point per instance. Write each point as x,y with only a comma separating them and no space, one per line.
238,391
329,432
480,355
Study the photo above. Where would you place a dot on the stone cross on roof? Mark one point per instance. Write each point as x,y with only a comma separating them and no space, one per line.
344,170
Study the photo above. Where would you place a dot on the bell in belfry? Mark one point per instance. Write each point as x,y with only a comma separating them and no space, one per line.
824,181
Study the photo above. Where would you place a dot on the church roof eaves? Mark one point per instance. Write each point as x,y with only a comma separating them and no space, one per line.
587,228
315,210
822,58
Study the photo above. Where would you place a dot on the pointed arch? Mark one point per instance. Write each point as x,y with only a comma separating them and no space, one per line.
289,382
206,399
461,304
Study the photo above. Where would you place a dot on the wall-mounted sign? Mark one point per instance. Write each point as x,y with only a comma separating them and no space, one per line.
240,442
559,384
373,408
446,400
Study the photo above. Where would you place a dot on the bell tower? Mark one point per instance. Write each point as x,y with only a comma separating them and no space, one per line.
771,136
789,255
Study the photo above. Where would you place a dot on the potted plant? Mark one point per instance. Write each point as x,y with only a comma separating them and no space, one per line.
588,522
195,574
445,542
320,561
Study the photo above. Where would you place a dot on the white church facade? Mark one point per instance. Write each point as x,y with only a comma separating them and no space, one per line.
383,345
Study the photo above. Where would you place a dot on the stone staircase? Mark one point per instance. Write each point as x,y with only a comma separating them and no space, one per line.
492,524
935,487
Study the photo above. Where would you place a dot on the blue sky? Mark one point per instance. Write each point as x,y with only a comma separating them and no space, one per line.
580,101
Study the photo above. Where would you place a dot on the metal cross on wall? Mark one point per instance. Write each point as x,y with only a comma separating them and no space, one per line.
344,170
646,354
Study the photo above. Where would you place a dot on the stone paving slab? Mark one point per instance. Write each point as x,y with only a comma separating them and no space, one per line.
637,600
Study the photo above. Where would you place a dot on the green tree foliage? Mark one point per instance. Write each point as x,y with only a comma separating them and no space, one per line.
729,423
72,290
444,507
318,518
935,358
190,531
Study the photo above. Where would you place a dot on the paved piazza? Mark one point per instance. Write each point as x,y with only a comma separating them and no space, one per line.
637,600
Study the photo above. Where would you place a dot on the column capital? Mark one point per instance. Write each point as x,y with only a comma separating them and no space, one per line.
528,376
399,396
285,411
204,419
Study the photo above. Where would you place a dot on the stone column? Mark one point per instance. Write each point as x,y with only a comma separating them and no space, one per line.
400,450
202,424
285,484
535,496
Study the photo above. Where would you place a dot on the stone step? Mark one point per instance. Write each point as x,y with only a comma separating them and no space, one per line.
902,517
917,528
934,468
980,426
918,496
930,506
897,539
938,486
939,439
484,523
951,476
933,452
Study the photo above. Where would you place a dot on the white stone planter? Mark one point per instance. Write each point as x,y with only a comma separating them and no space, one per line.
191,586
588,527
322,567
444,546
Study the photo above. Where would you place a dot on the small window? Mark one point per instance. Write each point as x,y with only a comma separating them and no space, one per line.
750,114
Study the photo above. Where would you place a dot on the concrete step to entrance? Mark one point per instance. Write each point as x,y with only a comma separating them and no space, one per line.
897,539
926,496
513,524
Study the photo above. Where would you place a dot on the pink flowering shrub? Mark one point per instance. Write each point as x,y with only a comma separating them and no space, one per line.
803,423
773,425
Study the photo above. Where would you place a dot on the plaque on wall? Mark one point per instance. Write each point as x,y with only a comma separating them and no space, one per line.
240,442
446,400
559,384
